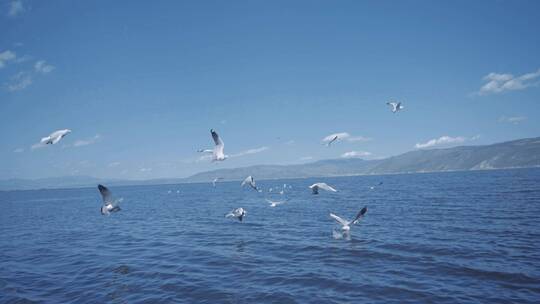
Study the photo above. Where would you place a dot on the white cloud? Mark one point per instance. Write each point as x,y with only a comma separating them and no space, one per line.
345,136
145,169
37,146
306,158
86,142
113,164
355,154
512,119
290,142
444,140
16,7
498,83
6,56
250,151
19,81
18,150
42,67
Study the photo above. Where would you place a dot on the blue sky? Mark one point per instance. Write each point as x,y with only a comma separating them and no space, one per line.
140,84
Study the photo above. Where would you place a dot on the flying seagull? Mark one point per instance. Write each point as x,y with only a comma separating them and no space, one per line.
396,106
332,140
274,203
315,188
249,181
110,204
238,213
216,180
217,152
55,137
345,225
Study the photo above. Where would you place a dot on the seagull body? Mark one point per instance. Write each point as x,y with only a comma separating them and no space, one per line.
346,225
238,213
315,188
217,152
110,204
55,137
396,106
275,203
249,181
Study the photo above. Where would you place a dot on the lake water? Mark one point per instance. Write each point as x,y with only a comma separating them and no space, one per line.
469,237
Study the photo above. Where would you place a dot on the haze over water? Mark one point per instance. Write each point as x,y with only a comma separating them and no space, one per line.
444,237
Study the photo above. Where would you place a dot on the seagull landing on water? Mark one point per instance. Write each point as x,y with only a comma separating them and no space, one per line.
315,188
275,203
396,106
216,180
251,182
238,213
217,152
346,225
110,204
55,137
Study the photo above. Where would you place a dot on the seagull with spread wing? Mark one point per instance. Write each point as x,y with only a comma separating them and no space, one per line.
346,225
110,204
396,106
238,213
250,182
275,203
55,137
217,152
315,188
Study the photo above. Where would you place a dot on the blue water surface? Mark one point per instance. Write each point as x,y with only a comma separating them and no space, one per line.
458,237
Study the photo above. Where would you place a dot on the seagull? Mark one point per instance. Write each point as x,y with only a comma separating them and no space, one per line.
345,225
217,152
215,180
251,182
55,137
109,203
332,140
238,213
315,188
274,203
396,106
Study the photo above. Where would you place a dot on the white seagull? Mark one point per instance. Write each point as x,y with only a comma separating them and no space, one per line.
274,203
217,152
346,225
215,180
315,188
110,204
251,182
55,137
239,213
396,106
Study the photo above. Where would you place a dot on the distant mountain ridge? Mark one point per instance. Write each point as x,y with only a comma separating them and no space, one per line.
521,153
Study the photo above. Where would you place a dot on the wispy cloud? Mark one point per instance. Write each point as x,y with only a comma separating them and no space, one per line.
37,146
250,151
145,169
306,158
6,56
16,7
512,119
356,154
344,136
18,150
499,83
86,142
113,164
444,140
42,67
19,81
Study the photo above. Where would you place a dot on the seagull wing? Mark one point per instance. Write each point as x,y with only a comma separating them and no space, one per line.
339,220
359,215
205,151
106,194
324,186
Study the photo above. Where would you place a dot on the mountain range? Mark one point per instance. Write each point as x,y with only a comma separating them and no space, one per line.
521,153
